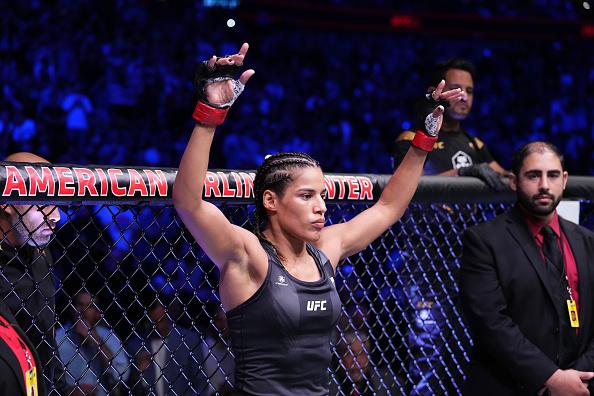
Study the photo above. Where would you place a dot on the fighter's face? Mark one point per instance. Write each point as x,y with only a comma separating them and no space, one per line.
34,224
300,209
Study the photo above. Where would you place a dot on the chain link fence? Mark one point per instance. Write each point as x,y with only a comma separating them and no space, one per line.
137,309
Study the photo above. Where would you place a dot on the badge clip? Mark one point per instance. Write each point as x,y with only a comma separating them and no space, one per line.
573,314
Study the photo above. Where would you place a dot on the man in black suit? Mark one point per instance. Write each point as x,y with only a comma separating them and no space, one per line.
526,289
27,284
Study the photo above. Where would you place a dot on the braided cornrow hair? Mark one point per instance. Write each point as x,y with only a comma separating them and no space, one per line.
275,174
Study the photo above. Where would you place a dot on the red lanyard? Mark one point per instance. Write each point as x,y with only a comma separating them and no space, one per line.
21,352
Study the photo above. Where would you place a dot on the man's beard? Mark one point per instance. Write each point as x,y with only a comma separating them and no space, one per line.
31,238
454,115
535,209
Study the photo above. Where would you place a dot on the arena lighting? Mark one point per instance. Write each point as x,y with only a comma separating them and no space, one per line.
587,30
586,5
405,21
230,4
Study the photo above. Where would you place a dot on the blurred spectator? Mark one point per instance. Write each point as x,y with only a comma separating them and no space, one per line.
169,357
24,131
360,368
219,366
426,261
91,352
77,107
355,373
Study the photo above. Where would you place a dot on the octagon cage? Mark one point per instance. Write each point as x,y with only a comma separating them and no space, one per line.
137,309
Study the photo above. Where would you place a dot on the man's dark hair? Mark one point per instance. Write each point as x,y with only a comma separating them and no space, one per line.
441,68
76,307
531,148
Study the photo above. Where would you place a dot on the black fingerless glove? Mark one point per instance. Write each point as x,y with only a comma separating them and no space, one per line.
485,173
204,76
205,112
433,103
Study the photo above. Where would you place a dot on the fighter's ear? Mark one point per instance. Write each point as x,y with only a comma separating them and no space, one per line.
270,200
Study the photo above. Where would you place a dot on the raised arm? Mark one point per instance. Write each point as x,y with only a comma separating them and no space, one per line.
222,241
342,240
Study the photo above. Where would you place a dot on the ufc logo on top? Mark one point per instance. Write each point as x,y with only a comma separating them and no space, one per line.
316,305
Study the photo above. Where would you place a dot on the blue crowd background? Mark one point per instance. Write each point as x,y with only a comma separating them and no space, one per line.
110,81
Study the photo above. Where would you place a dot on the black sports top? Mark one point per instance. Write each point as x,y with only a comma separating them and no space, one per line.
281,335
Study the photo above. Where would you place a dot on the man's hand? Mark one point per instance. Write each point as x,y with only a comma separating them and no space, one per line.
96,337
82,328
569,383
84,390
484,172
143,360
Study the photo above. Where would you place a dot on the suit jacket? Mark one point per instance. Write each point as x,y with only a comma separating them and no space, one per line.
11,377
509,305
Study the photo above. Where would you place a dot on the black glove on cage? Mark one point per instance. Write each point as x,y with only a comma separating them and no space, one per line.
485,173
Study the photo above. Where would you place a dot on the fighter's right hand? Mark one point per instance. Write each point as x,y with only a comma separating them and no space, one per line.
220,88
217,88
